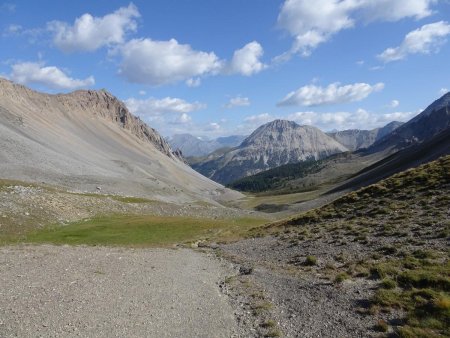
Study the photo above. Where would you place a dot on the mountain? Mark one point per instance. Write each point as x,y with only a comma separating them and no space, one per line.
192,146
407,158
433,120
89,139
354,139
271,145
230,141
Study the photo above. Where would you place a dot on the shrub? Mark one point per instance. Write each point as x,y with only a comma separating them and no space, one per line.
388,283
341,277
310,260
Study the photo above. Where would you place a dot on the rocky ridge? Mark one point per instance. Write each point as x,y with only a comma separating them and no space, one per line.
89,139
354,139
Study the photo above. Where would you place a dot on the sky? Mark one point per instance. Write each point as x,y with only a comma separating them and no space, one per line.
216,68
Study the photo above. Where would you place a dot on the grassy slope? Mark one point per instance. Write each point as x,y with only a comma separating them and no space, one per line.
402,228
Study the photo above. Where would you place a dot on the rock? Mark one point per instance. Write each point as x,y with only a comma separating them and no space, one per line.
245,270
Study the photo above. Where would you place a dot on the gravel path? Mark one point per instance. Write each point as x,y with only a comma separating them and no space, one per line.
55,291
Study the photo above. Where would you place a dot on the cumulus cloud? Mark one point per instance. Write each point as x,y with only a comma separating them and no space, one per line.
312,95
182,119
443,91
424,40
49,76
394,10
161,62
154,106
246,61
89,33
360,119
394,103
259,119
237,101
193,82
312,25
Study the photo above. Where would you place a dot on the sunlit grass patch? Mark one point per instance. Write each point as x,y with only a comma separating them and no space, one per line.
143,230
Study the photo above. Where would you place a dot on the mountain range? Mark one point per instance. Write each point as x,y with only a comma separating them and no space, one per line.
192,146
354,139
406,146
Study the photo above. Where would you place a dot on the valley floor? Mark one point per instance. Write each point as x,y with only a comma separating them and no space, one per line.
64,291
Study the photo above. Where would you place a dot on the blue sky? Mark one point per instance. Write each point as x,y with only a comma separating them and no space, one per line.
215,68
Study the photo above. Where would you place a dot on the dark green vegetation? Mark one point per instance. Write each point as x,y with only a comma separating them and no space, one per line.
142,231
275,179
395,233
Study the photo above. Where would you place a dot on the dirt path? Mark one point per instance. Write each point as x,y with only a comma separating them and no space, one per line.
51,291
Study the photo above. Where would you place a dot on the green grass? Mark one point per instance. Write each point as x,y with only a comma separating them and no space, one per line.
423,294
143,231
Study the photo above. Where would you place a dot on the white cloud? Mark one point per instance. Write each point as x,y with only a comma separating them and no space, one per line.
259,119
443,91
142,92
311,25
154,106
360,119
12,29
89,33
394,103
7,7
424,40
49,76
214,125
246,61
312,95
237,101
193,82
162,62
182,119
394,10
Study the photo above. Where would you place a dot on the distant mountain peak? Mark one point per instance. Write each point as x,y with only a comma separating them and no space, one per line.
271,145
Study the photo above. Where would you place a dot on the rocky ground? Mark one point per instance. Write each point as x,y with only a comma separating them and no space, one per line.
62,291
374,262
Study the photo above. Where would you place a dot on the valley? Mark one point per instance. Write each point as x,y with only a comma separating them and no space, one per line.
310,237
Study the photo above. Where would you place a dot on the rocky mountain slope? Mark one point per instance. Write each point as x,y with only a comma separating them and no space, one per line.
354,139
271,145
87,141
194,146
433,120
410,157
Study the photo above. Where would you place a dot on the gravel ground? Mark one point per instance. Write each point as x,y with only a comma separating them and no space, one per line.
55,291
304,302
